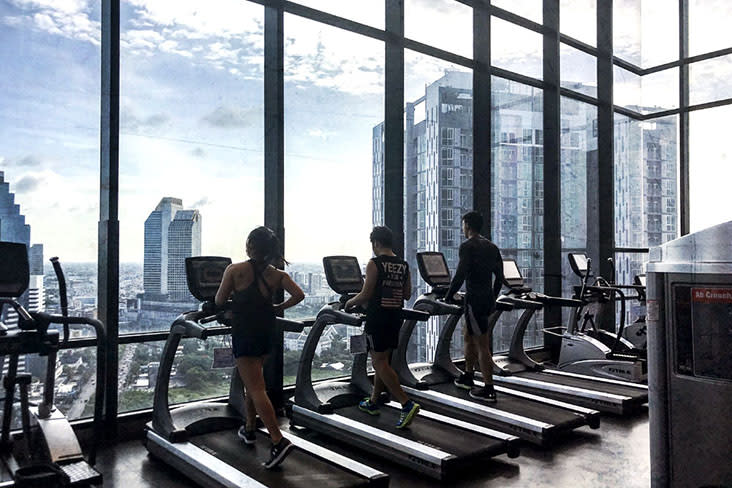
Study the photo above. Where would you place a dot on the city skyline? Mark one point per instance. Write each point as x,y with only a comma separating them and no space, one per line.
334,91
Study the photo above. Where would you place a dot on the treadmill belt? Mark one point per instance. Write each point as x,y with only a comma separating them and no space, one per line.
300,469
428,432
542,412
584,383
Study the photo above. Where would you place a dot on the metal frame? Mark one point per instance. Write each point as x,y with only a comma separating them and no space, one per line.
395,43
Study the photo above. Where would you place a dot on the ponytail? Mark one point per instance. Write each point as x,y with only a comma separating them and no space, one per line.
264,246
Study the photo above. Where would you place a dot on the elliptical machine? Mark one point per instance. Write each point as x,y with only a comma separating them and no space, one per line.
594,351
47,453
637,332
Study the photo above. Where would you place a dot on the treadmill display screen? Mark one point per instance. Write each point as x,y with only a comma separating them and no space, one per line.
204,275
343,274
510,270
435,267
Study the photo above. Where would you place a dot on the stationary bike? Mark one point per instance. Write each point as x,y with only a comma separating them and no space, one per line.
47,452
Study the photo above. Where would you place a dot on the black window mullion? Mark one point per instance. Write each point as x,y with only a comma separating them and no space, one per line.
684,197
482,118
108,244
394,123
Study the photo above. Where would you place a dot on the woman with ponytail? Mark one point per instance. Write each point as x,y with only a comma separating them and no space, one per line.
251,285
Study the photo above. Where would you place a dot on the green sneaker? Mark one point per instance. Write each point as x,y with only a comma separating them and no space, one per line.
409,411
366,405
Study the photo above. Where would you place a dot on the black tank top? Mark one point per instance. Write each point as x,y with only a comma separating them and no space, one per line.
388,299
253,313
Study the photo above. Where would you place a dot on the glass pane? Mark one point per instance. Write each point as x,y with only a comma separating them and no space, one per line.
578,19
710,170
709,26
646,33
191,167
627,267
332,356
334,100
709,80
438,174
661,91
523,54
651,93
578,70
364,11
452,20
627,30
192,377
627,89
578,168
646,194
660,29
518,189
531,9
49,146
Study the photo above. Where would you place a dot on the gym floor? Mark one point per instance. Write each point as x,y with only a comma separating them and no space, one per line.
615,455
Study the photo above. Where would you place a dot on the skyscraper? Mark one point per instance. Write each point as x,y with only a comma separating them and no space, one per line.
12,223
438,185
155,272
184,241
35,258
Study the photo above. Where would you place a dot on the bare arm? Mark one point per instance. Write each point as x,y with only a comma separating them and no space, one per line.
407,288
226,287
295,292
372,276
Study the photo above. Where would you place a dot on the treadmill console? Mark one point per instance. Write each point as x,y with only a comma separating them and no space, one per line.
204,275
14,270
343,274
511,274
433,268
578,262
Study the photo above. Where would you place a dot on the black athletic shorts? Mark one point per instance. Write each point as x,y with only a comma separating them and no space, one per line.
382,336
476,320
251,345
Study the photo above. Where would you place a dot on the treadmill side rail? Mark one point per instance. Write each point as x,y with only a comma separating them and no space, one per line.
183,455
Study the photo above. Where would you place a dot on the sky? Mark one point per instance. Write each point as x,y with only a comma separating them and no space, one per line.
192,103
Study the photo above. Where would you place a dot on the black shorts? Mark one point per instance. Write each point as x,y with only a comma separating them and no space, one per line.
382,336
251,345
476,320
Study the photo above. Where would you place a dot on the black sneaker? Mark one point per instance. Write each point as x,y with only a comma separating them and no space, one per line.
486,394
278,453
464,381
248,436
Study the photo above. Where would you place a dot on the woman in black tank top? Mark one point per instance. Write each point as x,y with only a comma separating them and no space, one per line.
250,285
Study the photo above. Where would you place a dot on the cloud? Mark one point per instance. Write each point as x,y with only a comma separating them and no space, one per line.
27,184
201,203
27,161
198,152
66,18
233,117
131,121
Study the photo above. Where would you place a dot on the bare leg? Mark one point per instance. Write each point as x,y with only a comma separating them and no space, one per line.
250,370
251,421
379,388
471,350
486,357
388,376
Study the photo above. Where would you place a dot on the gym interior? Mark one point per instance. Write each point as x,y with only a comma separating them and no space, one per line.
140,135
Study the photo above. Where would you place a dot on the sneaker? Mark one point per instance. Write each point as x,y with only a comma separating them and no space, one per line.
464,381
366,405
409,411
278,453
487,394
248,436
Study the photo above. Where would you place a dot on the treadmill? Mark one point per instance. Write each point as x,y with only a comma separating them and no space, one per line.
534,418
200,439
435,444
517,370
